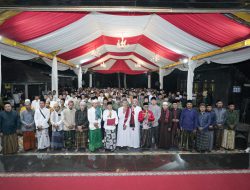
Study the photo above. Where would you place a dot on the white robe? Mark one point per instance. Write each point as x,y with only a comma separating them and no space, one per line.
135,134
106,117
92,119
123,136
43,135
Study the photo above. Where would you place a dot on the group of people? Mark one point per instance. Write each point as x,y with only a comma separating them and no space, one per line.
110,119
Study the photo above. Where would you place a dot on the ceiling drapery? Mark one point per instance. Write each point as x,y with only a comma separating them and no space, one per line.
169,36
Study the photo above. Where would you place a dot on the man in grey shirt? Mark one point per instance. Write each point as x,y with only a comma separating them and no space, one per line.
155,126
220,114
28,127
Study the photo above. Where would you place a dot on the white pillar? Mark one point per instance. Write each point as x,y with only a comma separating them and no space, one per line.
90,80
80,77
54,76
161,78
149,80
125,80
190,78
26,91
119,80
0,73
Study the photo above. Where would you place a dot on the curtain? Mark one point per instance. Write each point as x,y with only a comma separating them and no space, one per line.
54,76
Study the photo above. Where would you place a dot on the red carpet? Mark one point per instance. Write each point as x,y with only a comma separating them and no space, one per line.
125,181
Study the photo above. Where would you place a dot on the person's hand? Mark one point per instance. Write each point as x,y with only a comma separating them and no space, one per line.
181,128
39,128
169,129
210,127
96,125
200,128
231,126
1,134
176,120
124,127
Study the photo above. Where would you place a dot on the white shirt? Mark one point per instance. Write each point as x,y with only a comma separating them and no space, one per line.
35,104
106,116
68,119
40,120
92,119
56,118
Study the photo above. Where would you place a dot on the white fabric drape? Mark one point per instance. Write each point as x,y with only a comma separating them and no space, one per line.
231,57
80,77
54,76
94,25
125,81
190,78
90,80
15,53
60,66
149,80
161,78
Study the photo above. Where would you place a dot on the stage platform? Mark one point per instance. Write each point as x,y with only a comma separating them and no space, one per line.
122,162
157,170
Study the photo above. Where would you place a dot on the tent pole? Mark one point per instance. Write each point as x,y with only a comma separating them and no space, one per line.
119,80
90,80
149,80
125,80
190,79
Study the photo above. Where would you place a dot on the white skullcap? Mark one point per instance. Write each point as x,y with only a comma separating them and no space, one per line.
94,101
165,103
27,102
83,103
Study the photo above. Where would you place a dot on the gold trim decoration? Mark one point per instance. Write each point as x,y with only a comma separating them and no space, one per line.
29,49
130,9
225,49
5,15
243,15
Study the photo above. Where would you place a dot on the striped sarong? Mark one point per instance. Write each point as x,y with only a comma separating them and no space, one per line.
10,144
69,139
81,139
29,140
202,140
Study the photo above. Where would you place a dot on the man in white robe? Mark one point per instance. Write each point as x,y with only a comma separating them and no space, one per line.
95,133
41,117
134,129
35,103
123,134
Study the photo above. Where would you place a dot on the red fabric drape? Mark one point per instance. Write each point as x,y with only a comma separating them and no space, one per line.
215,29
29,25
120,66
102,40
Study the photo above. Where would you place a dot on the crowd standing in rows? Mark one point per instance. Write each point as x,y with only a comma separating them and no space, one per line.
117,119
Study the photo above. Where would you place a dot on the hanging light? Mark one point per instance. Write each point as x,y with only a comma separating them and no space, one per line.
95,53
103,65
155,58
184,60
121,43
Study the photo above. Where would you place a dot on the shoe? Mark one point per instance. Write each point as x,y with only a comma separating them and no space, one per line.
247,150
